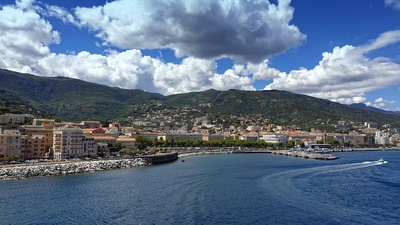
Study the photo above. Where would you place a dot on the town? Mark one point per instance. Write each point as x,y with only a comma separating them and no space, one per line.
24,137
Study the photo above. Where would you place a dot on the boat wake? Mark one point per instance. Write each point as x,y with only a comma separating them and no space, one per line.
292,187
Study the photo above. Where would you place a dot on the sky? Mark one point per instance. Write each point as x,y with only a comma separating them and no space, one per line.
347,51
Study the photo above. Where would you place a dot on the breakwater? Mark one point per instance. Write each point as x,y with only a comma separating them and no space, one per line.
28,171
304,154
159,158
208,152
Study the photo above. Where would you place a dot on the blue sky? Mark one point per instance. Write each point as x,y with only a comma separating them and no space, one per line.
344,51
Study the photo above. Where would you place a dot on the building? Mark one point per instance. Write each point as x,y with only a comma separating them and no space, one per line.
45,130
5,119
67,142
44,122
180,137
276,138
371,125
89,124
249,138
10,143
105,139
382,138
128,142
213,137
89,146
33,147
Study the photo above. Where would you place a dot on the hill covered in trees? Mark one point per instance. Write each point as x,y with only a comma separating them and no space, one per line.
75,100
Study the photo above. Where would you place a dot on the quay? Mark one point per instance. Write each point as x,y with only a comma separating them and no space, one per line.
304,154
159,158
295,153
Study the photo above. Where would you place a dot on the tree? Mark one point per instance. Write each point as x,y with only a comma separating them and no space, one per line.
142,142
290,144
302,144
115,148
334,142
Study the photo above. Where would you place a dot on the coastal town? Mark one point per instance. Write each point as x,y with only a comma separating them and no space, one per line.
24,137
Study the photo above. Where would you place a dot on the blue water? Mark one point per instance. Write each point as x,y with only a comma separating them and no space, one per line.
216,189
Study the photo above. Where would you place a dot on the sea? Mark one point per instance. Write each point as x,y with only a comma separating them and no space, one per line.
216,189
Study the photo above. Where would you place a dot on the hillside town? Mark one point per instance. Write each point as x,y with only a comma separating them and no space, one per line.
24,137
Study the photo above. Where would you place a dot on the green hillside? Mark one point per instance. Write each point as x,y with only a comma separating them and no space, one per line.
75,100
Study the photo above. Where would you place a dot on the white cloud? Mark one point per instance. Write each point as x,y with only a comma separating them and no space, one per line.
343,75
393,3
243,30
346,73
24,48
380,103
58,12
24,37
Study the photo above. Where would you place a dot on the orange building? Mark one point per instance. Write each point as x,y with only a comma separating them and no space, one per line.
34,147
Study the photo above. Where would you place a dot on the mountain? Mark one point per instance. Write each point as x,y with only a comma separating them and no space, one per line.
67,98
373,109
75,100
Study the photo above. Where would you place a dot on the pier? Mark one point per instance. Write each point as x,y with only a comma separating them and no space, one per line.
305,154
295,153
159,158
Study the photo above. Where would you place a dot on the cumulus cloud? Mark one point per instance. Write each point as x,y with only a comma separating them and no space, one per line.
25,36
380,103
343,75
243,30
393,3
346,73
24,48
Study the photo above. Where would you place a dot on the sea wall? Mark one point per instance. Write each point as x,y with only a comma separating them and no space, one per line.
212,152
23,171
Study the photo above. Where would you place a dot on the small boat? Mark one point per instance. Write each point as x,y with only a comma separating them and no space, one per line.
381,161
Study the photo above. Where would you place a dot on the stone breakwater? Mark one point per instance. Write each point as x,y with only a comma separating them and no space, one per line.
214,152
23,172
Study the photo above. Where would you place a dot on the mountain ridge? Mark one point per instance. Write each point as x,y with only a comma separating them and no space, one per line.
74,99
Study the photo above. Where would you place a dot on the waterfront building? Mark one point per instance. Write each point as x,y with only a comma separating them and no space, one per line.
275,138
67,142
302,136
89,146
10,143
33,147
45,130
128,142
381,138
102,149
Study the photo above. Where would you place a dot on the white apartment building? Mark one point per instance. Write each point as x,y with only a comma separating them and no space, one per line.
89,146
381,138
67,142
276,138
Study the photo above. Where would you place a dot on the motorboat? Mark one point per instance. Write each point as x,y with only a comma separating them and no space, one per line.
381,161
